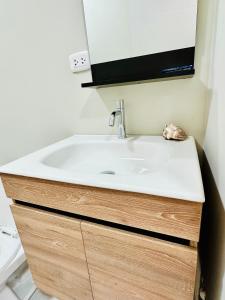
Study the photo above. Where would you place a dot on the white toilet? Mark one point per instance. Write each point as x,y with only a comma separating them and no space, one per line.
11,257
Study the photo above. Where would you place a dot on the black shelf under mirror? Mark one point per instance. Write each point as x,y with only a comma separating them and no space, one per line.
157,66
139,80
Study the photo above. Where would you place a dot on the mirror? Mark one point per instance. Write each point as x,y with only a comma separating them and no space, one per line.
140,39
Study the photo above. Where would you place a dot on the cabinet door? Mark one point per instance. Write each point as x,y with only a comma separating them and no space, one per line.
54,248
128,266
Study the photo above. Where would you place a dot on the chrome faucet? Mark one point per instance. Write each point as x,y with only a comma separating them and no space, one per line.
120,112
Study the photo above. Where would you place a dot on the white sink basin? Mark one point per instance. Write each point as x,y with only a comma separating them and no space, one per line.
144,164
115,157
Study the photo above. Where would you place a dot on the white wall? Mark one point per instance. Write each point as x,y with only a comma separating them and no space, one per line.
215,153
215,135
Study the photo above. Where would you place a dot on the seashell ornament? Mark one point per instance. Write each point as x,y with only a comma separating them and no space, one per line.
172,132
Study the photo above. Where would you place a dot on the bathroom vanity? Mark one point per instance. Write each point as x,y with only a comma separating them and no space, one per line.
128,234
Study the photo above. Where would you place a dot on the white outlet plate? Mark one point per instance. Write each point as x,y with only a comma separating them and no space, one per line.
79,61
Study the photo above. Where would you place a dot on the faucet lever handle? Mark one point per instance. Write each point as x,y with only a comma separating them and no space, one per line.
112,119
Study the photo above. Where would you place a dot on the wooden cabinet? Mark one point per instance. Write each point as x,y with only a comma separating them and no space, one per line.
128,266
74,258
54,248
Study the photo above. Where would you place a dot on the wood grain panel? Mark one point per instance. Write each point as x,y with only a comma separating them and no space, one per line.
126,266
55,253
159,214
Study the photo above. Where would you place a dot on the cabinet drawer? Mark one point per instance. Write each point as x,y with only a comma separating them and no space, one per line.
169,216
55,253
128,266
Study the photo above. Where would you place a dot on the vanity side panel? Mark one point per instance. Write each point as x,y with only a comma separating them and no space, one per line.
55,252
123,266
169,216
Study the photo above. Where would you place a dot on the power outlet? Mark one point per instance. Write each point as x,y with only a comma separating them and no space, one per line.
79,61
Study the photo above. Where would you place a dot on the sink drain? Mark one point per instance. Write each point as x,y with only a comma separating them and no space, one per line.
108,172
